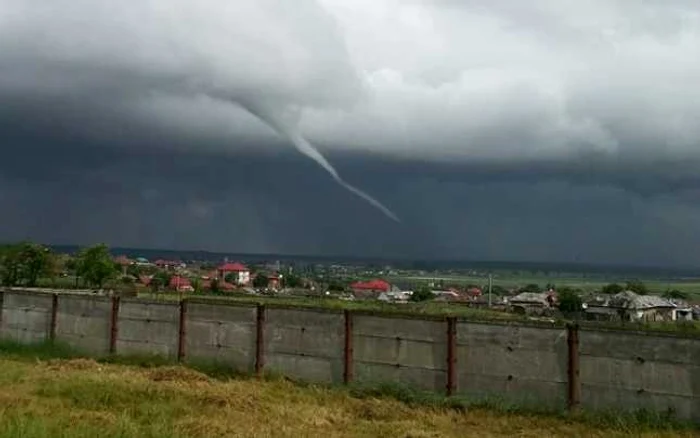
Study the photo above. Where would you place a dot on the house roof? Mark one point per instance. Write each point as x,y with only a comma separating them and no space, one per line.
371,285
630,300
530,298
233,267
122,260
177,281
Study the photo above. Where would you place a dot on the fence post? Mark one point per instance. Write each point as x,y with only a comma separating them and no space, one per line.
54,317
574,388
114,325
260,341
181,337
2,304
348,350
451,355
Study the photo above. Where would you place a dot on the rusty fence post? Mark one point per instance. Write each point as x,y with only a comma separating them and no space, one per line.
451,355
348,350
182,333
54,317
114,325
574,387
260,340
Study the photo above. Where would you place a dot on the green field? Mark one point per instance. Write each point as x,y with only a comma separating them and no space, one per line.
46,397
587,284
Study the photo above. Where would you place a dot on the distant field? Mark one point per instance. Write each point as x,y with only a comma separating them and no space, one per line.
690,286
588,284
81,398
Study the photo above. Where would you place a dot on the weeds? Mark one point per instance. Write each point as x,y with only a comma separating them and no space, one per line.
104,390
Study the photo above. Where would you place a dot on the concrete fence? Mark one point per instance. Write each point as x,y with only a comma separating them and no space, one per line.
554,367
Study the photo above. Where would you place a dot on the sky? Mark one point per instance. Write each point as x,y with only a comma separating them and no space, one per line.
539,130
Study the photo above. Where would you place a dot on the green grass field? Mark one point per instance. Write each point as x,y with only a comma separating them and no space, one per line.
690,286
41,396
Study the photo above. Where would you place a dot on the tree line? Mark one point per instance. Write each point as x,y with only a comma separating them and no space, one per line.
25,263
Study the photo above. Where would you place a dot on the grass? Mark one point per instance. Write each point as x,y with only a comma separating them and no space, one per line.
442,309
586,284
69,396
425,308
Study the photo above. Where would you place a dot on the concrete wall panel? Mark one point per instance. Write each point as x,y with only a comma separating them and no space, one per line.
514,363
305,344
222,334
26,317
638,371
84,323
401,350
148,328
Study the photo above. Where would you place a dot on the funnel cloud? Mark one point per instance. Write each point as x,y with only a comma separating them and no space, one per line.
291,132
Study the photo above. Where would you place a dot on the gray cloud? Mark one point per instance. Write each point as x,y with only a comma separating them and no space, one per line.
467,118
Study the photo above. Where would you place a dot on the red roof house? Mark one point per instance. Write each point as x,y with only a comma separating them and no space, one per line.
239,271
145,279
232,267
372,285
180,283
122,260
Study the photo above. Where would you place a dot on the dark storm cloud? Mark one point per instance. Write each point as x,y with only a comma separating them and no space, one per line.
572,133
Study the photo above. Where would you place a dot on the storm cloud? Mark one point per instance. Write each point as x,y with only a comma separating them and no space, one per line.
536,130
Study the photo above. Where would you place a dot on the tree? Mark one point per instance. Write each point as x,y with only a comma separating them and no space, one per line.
569,301
675,294
24,263
261,280
35,261
637,287
161,279
197,285
612,289
95,265
293,281
10,265
495,290
336,286
422,293
231,278
531,288
215,287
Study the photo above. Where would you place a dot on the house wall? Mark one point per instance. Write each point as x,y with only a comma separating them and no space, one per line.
519,364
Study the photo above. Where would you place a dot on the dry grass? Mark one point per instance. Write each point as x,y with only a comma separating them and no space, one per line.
84,398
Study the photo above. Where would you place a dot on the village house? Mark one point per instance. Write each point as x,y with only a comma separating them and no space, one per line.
169,264
180,284
377,286
629,306
446,295
123,262
530,303
394,297
239,271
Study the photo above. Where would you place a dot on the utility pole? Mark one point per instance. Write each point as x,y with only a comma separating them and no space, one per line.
490,283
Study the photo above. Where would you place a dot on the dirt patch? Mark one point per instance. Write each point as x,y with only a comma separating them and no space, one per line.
74,364
177,374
